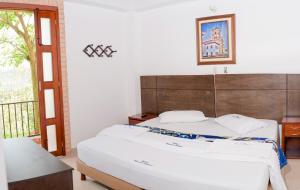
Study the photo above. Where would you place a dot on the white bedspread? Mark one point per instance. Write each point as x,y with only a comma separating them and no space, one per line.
184,161
249,152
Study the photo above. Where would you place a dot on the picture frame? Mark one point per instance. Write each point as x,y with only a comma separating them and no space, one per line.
216,42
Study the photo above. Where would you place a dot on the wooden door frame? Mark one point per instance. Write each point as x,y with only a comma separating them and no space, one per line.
33,7
24,6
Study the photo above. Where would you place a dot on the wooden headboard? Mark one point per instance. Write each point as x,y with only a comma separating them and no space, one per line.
260,96
269,96
163,93
293,95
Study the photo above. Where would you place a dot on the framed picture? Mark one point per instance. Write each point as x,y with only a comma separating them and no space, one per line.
216,40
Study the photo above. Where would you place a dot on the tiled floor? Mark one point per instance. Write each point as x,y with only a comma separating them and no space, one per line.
89,184
291,175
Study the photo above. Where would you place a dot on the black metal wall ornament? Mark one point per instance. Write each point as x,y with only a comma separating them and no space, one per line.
100,51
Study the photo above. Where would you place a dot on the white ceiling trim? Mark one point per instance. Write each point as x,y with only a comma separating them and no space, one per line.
161,4
98,4
129,5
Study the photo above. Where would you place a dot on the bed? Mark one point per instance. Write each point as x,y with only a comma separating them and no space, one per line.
126,164
102,158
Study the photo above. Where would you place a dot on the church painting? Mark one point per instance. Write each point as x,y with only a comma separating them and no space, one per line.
216,40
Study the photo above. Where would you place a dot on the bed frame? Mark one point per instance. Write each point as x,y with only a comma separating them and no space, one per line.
103,178
266,96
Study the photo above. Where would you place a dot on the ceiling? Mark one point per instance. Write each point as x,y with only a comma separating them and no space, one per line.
129,5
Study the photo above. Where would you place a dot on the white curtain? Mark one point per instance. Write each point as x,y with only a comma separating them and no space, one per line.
3,179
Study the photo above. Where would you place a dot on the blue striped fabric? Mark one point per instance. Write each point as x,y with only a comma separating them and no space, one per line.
210,138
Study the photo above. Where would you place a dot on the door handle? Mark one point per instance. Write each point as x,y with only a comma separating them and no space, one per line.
40,86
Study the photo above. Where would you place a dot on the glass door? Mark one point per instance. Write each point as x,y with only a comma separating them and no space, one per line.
49,81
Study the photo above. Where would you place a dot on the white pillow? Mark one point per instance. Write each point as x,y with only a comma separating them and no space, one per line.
181,116
239,123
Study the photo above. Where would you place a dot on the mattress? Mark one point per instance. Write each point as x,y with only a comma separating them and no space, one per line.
210,127
152,168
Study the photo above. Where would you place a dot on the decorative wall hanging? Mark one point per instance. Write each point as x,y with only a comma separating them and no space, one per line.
216,40
100,51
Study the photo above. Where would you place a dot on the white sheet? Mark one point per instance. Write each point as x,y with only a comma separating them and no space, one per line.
173,163
123,130
169,170
210,127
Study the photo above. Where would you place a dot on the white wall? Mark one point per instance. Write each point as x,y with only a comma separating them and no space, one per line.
104,91
3,180
267,37
98,87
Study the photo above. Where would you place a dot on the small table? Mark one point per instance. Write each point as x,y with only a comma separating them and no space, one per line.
136,119
31,167
291,136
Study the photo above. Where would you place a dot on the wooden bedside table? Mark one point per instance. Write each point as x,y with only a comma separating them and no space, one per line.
291,136
135,119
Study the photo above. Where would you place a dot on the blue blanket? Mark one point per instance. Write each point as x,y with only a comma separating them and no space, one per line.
210,138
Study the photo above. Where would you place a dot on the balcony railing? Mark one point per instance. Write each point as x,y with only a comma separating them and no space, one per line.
18,119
